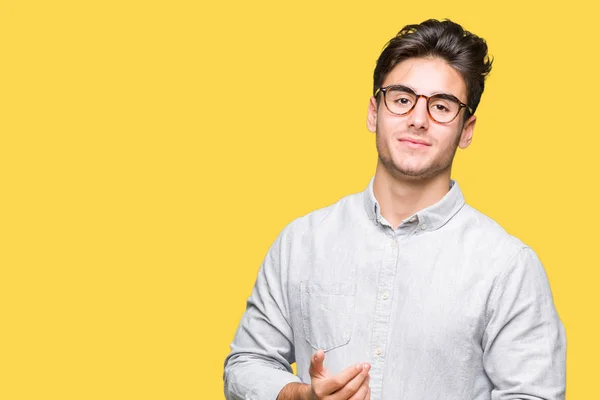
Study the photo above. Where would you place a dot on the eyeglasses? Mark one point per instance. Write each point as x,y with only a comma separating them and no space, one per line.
443,108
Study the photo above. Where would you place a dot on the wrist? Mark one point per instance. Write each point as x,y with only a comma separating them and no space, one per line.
296,391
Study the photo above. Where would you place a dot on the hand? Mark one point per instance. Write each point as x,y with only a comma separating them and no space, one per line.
350,384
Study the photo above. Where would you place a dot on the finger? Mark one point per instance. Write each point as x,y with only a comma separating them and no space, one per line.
363,390
354,385
368,395
354,373
316,364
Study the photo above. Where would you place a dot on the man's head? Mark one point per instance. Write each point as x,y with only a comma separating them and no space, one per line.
462,50
417,134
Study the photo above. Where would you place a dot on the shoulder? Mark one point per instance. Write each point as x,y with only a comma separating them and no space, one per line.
480,225
483,235
336,216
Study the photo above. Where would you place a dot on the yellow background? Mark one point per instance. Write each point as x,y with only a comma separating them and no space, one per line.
151,152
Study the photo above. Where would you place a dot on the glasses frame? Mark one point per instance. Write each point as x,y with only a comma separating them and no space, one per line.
418,96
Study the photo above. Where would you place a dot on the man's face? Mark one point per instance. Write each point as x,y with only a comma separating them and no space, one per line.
414,146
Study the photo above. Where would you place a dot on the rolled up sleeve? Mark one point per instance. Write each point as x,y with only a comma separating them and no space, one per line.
262,351
524,342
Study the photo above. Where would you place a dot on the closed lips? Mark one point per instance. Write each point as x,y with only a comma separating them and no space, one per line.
414,141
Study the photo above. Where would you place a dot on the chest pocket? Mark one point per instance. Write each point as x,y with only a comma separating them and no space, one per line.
327,313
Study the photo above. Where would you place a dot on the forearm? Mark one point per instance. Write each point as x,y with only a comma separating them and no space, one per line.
249,377
295,391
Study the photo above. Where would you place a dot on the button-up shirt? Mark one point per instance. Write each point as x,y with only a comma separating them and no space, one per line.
447,306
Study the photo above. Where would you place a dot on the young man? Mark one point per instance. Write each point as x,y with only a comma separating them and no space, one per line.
404,291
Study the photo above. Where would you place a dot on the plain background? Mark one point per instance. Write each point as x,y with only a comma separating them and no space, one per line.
151,151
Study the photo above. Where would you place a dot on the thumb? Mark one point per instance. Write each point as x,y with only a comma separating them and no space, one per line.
316,364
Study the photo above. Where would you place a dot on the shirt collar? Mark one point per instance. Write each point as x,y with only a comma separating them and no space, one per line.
428,219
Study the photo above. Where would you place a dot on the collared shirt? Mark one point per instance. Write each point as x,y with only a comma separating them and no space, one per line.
447,306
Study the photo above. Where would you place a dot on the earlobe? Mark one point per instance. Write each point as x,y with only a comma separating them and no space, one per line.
466,136
372,115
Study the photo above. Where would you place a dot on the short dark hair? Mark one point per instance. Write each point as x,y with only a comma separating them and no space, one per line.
462,50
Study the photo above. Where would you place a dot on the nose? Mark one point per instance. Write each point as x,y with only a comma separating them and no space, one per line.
418,117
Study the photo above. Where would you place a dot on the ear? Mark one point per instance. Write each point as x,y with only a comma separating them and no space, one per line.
466,136
372,115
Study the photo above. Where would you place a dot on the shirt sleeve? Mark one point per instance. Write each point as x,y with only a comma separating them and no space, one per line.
524,341
262,351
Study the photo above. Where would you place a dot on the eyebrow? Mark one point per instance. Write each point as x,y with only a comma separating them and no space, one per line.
402,87
447,96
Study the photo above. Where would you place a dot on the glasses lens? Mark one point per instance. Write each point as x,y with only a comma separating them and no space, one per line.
443,109
399,101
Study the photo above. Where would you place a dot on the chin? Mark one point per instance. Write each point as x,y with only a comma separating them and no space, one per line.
414,174
409,173
411,170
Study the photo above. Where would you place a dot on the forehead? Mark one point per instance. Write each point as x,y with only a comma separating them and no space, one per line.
427,76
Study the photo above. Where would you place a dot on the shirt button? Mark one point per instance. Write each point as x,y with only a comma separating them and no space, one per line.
423,226
385,296
378,352
393,243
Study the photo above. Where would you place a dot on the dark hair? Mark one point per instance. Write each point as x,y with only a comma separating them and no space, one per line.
462,50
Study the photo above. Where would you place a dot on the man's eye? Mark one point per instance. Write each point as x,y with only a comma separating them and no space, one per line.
440,108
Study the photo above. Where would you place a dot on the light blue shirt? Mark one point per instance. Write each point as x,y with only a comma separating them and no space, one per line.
447,306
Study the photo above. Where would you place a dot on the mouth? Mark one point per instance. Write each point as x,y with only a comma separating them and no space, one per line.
413,143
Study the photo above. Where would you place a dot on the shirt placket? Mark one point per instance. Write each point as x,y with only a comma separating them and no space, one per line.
383,307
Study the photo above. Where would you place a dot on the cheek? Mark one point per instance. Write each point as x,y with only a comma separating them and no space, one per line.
448,138
386,127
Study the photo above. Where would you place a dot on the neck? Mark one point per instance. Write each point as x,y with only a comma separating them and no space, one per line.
400,197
